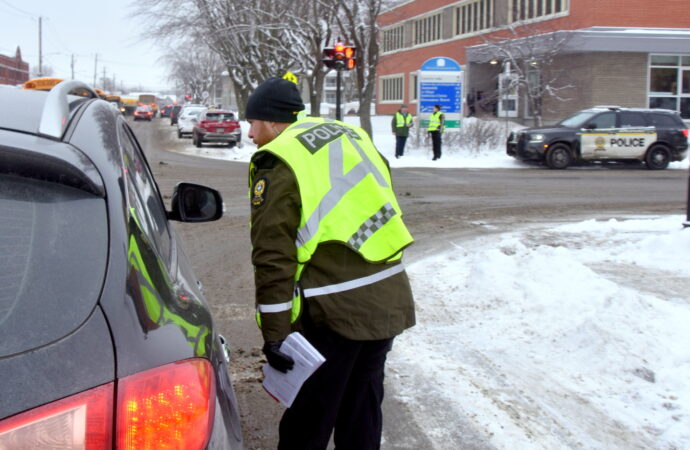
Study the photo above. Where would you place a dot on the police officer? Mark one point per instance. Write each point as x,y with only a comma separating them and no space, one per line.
401,124
327,236
436,127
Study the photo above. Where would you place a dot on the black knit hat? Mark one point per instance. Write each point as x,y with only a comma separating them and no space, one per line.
275,100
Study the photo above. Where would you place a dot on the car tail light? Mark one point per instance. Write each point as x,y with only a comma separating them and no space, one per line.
171,406
82,421
685,133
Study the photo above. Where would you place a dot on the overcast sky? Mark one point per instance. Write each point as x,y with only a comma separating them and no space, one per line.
83,28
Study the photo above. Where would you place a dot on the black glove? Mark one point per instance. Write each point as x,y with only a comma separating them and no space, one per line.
277,359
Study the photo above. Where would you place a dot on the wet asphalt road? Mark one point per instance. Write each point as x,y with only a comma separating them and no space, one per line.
440,206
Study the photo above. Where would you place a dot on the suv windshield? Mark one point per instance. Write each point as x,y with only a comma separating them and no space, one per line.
53,249
577,120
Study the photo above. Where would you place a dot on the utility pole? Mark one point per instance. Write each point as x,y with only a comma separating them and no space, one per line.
72,66
40,46
113,84
104,87
95,69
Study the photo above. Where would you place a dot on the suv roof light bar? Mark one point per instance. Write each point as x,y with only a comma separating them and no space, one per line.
56,109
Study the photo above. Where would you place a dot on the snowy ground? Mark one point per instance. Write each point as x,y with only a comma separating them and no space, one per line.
484,158
563,336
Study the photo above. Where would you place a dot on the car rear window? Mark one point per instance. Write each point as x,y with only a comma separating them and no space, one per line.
665,121
53,250
220,116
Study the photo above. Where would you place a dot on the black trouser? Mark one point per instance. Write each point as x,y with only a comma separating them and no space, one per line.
436,143
345,392
400,145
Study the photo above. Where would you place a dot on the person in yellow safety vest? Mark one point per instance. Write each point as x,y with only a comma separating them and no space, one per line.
436,128
327,236
401,124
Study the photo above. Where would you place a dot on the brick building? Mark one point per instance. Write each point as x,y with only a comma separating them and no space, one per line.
13,70
572,53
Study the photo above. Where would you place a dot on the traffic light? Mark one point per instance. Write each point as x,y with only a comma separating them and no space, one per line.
340,57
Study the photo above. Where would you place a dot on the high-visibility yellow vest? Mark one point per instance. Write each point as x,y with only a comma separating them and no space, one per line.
346,194
435,121
402,120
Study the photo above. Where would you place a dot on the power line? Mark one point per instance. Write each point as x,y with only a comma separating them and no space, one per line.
33,16
57,36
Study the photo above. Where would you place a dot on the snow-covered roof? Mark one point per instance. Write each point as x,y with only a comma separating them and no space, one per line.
604,39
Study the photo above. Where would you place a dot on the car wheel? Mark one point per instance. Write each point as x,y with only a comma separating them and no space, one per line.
197,141
179,134
657,158
558,157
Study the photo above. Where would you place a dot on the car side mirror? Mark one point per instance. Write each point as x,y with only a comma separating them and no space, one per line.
195,203
591,126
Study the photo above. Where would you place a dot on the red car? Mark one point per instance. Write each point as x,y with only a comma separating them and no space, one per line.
216,125
165,111
143,112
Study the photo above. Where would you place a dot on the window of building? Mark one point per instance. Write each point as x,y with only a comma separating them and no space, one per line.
533,9
393,39
474,16
427,29
669,83
413,87
392,88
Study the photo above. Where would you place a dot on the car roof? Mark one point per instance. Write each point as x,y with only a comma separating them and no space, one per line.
600,108
22,109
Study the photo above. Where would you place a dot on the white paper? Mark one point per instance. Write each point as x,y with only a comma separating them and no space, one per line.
284,387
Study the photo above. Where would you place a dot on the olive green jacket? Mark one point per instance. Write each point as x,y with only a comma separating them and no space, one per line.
377,311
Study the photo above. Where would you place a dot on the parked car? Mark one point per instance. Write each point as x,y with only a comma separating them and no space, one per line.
165,110
143,112
174,114
106,338
187,118
606,133
217,125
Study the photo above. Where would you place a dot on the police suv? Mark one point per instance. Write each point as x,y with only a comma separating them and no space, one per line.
605,133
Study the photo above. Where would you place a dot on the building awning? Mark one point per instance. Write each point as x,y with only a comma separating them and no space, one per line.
594,39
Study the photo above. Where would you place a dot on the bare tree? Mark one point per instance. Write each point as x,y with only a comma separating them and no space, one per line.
314,22
357,21
255,40
193,68
531,63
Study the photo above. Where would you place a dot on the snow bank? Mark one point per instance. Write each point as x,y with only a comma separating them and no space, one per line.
552,338
487,157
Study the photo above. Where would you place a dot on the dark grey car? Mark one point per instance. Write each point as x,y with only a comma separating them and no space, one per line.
106,340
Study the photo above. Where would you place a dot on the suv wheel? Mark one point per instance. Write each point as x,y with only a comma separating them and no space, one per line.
657,157
197,140
558,157
179,134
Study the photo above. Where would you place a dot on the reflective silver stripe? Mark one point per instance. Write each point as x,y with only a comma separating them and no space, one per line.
302,125
356,283
276,308
341,183
372,225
